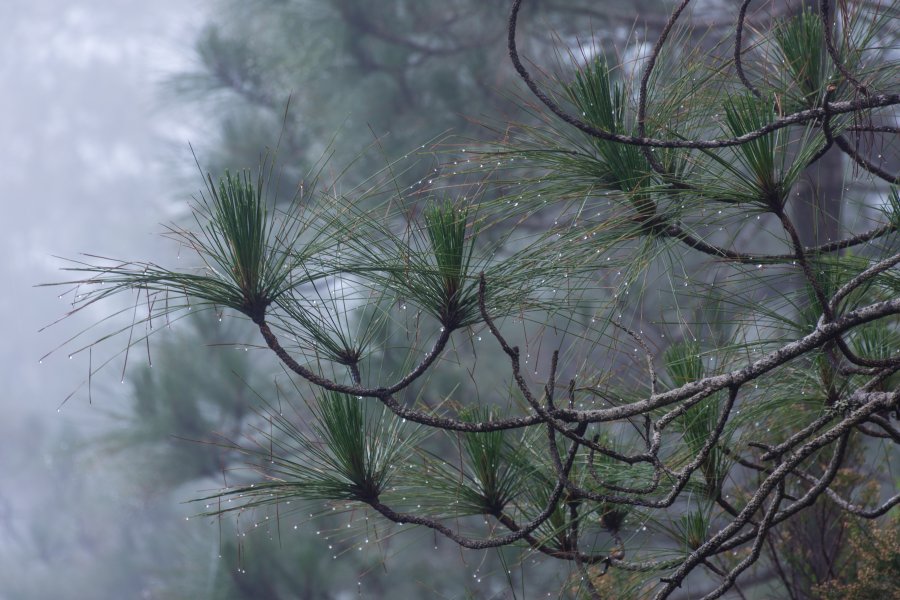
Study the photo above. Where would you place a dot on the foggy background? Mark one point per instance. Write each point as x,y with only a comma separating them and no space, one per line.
95,159
89,142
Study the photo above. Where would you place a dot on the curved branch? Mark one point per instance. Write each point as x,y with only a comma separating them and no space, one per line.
676,232
858,280
494,542
824,333
827,26
803,116
645,80
762,533
854,509
839,431
865,163
385,395
738,37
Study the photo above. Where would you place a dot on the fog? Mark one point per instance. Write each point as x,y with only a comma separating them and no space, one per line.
89,161
95,160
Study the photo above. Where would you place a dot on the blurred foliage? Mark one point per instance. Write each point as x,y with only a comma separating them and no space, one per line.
389,74
874,564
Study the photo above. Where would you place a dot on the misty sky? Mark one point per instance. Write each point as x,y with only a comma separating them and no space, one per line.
90,140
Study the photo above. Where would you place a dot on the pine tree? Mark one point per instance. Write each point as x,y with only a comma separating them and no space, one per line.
684,372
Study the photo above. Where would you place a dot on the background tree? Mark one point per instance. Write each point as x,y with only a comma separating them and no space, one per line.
628,210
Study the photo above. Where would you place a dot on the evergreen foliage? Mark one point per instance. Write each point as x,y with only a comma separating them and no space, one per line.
671,401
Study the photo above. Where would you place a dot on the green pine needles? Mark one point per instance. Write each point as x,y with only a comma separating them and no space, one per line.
654,323
452,288
603,103
799,44
349,452
238,234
